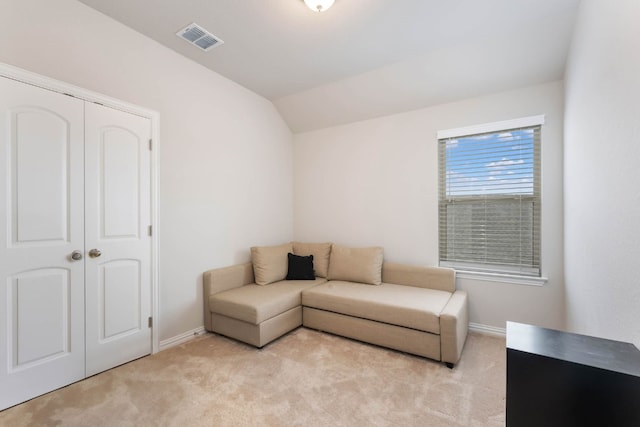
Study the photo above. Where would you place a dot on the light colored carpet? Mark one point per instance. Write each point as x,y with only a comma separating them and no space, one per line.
306,378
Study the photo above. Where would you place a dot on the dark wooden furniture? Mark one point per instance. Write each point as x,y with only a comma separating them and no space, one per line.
562,379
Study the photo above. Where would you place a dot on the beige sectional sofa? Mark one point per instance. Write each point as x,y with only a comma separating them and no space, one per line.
354,294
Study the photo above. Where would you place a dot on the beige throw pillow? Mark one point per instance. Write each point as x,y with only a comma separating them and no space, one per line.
363,265
320,252
270,263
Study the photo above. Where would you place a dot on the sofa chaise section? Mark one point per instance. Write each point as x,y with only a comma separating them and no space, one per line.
238,308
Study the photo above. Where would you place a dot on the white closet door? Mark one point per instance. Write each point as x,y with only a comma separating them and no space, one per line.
41,224
118,215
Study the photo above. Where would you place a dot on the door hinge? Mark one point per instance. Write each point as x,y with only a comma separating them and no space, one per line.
151,230
150,144
151,322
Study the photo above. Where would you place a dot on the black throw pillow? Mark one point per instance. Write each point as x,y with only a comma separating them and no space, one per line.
300,267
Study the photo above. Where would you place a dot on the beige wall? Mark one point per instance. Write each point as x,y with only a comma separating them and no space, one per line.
225,155
226,163
602,177
375,183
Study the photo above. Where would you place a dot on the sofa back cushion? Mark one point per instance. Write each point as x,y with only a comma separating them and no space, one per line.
362,265
270,263
320,252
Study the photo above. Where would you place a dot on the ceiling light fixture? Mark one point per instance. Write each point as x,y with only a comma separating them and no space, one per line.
319,5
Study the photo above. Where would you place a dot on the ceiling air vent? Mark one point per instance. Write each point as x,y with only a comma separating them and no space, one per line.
196,35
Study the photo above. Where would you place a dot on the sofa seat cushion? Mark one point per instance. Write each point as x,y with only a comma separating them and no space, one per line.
255,303
408,306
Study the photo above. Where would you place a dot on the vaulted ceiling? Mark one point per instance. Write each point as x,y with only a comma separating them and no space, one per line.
364,58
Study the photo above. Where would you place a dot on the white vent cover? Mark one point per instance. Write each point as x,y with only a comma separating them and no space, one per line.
198,36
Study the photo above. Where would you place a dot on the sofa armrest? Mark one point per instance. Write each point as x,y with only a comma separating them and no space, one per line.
454,325
222,279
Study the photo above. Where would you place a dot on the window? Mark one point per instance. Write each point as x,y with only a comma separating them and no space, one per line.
489,197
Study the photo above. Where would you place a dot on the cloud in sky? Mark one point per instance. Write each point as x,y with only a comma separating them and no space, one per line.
501,164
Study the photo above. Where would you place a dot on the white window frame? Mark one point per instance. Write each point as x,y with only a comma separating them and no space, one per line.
470,272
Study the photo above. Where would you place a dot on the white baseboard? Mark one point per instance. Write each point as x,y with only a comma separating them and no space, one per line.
182,338
487,330
188,335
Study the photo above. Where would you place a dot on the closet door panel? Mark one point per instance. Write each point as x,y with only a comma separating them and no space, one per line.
118,214
40,176
120,291
41,225
120,198
39,302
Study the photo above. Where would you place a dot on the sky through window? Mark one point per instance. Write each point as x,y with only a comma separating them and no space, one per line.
498,163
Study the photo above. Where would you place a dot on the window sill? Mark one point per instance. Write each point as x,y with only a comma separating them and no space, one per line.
502,278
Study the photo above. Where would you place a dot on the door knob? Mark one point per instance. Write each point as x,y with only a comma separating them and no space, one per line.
76,255
95,253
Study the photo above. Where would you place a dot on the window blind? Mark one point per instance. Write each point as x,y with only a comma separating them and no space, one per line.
489,201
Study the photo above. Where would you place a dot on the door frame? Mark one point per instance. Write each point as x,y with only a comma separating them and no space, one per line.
44,82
